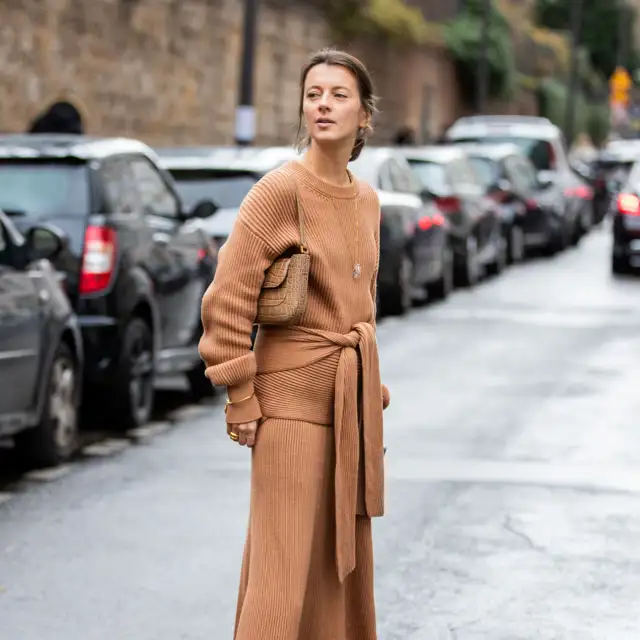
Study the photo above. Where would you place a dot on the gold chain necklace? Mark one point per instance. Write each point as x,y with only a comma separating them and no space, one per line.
357,268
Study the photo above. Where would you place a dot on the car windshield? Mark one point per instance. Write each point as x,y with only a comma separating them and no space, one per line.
227,189
43,189
633,178
538,151
485,168
364,168
432,176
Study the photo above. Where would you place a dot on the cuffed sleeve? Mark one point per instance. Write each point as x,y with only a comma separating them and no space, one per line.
247,408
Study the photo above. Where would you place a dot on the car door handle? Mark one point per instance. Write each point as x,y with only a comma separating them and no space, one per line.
161,238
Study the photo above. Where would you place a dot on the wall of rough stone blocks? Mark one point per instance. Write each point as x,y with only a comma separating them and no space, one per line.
167,71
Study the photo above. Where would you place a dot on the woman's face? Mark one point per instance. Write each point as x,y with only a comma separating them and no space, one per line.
331,105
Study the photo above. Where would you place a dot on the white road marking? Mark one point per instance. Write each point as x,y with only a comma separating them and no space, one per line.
106,447
49,474
472,471
146,433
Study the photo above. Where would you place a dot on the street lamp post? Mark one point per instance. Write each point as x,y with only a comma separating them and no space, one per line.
576,26
245,111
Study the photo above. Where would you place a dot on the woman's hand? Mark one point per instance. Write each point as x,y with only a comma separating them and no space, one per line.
246,432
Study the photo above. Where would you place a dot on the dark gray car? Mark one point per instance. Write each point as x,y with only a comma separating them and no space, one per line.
41,356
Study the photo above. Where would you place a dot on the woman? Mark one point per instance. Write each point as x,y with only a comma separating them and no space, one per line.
308,399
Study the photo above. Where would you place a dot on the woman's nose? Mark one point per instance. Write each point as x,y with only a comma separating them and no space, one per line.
324,101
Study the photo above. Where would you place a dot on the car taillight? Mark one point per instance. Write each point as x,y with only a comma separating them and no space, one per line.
426,222
629,204
583,192
98,259
448,204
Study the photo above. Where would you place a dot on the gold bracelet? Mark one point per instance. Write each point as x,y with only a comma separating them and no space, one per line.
230,402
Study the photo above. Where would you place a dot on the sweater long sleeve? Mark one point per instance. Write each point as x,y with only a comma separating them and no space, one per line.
229,306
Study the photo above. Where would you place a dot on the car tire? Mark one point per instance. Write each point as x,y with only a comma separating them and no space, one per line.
620,265
441,288
133,388
200,386
55,439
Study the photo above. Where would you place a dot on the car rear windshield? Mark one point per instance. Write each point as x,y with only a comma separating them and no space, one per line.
486,169
538,151
227,189
432,176
43,188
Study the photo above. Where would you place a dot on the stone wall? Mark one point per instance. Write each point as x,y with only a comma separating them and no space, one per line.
167,71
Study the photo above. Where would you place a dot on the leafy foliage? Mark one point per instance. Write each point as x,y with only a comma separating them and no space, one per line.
393,19
464,40
600,31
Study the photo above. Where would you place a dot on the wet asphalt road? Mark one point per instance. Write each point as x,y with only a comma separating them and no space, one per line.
513,486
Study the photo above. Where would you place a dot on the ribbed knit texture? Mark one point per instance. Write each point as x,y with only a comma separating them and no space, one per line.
290,589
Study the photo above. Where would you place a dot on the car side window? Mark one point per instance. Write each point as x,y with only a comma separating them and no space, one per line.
155,195
120,191
400,181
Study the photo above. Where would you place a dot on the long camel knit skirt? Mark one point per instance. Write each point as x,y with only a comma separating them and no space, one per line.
289,587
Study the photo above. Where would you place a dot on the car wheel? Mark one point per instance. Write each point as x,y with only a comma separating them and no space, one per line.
55,439
199,385
441,288
516,244
135,377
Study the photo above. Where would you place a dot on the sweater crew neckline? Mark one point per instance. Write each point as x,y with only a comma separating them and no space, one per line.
331,190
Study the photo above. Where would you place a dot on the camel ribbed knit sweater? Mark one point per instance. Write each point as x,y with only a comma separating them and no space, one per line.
342,228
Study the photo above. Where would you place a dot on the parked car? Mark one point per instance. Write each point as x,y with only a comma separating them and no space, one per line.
41,355
543,143
625,213
531,212
416,258
136,264
448,178
223,175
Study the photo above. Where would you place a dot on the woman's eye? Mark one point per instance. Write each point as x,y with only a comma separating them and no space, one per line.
313,94
340,95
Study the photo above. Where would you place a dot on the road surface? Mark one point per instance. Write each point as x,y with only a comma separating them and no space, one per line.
513,486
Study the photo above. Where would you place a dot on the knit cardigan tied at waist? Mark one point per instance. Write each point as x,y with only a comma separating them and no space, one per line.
276,353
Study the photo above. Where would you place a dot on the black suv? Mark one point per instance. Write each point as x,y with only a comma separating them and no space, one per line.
40,348
136,264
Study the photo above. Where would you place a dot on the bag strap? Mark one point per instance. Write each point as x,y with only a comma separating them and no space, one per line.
300,214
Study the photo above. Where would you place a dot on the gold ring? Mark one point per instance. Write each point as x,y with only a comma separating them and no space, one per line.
234,436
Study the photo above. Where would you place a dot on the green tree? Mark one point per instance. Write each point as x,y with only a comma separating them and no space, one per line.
464,39
600,34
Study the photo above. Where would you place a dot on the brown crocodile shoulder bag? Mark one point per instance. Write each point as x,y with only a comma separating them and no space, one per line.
283,297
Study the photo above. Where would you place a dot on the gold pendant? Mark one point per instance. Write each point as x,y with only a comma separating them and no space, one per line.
357,270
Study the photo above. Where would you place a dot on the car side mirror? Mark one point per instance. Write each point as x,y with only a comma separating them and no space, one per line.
204,209
44,243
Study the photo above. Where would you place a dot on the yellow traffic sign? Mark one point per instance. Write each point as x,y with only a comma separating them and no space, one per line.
619,84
